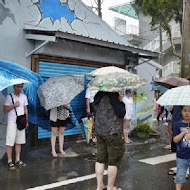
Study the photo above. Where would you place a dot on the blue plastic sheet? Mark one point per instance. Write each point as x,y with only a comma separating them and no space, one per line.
11,71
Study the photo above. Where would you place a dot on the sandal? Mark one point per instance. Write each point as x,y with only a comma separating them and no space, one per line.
115,188
20,163
11,166
54,155
62,153
168,147
172,173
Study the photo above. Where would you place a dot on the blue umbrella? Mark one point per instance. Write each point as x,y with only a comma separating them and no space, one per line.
4,83
162,89
8,83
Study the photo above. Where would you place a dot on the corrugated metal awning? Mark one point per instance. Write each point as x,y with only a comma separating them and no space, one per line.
53,35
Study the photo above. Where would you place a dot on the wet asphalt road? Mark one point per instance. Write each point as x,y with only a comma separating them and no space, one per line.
41,169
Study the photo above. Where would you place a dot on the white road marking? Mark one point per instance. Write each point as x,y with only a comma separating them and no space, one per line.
66,182
174,168
159,159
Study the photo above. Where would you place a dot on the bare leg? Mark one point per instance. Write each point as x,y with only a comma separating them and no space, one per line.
112,174
170,132
179,186
9,153
99,168
17,151
126,124
61,140
53,140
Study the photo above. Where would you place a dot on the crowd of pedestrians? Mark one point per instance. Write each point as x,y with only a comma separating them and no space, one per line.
113,113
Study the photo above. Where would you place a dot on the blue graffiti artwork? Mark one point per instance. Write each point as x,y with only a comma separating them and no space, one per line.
56,10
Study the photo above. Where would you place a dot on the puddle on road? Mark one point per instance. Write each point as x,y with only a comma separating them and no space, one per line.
88,157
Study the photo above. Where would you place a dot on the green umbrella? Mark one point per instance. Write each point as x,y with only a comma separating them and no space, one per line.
116,82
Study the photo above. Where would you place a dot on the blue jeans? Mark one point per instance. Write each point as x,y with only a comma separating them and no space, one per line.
182,166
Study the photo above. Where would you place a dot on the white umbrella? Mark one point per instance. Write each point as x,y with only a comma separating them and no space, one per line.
8,83
106,70
59,90
176,96
20,81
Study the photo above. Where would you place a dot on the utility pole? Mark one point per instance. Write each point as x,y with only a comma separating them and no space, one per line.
160,31
99,9
160,56
185,62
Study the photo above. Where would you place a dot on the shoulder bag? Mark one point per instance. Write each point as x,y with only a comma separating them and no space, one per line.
21,119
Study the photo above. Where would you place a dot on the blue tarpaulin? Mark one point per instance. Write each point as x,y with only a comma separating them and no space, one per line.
11,71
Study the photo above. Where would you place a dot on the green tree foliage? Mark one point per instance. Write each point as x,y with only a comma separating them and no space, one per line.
163,12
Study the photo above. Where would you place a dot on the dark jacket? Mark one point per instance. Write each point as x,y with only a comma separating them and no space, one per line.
109,114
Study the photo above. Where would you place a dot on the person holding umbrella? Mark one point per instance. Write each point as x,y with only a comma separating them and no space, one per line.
109,114
59,118
56,94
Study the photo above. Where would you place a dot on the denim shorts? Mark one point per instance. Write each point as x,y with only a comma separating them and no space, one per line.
182,166
110,149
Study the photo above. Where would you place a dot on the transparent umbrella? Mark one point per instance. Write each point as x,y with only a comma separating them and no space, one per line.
176,96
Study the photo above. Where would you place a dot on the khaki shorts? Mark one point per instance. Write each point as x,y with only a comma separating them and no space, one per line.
110,149
14,136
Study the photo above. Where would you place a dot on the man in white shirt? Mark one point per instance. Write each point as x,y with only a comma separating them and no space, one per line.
89,96
14,136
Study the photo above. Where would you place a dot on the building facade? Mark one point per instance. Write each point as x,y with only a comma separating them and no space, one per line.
66,39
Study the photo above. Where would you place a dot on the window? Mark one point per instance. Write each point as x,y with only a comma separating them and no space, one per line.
120,26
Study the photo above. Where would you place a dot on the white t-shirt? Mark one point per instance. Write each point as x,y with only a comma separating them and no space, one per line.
129,107
90,94
20,109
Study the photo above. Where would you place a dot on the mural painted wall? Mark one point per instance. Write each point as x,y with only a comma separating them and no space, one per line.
144,100
70,16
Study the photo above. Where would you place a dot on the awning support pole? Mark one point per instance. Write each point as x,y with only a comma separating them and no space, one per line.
38,47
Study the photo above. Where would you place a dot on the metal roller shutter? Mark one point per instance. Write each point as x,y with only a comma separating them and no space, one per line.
50,69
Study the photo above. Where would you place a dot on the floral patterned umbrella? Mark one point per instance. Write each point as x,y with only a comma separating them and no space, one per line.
116,82
106,70
88,124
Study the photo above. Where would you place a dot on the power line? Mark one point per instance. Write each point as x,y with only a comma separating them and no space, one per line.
124,33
